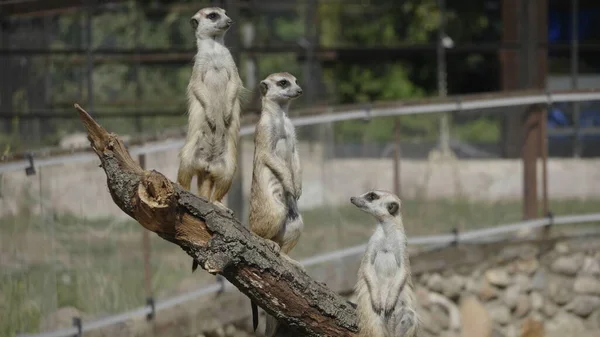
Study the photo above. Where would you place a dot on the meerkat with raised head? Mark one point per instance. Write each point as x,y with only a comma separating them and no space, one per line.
214,93
385,297
276,176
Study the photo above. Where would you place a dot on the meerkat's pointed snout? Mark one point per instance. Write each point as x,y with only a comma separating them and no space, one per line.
229,22
358,202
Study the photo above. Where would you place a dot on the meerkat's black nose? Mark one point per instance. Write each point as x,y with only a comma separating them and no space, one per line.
299,91
229,22
352,199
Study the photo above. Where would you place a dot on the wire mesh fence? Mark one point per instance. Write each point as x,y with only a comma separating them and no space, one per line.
68,250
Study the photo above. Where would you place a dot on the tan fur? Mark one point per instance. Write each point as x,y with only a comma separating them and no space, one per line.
475,320
268,207
385,304
214,91
276,176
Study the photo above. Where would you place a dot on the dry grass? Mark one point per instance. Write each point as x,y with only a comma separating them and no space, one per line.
97,266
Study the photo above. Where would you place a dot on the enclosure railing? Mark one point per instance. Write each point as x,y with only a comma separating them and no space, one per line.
351,112
474,236
328,115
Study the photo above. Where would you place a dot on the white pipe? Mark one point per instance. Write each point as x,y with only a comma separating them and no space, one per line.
333,117
327,257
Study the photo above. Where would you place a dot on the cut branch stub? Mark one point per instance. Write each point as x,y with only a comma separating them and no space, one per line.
219,242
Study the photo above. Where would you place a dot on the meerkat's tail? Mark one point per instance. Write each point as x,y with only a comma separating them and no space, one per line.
271,324
254,315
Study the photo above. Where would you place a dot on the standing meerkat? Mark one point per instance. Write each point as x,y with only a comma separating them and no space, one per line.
214,91
385,298
276,176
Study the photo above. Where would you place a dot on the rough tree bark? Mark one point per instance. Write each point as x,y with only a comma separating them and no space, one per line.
219,242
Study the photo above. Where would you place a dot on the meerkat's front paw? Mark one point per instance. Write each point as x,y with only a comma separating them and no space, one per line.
388,307
274,246
223,208
377,306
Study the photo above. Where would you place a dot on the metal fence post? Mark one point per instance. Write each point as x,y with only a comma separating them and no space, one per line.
530,151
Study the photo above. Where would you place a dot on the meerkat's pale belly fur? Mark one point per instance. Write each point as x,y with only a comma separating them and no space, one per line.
402,320
214,108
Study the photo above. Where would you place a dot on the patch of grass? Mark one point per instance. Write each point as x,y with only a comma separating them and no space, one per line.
97,265
328,228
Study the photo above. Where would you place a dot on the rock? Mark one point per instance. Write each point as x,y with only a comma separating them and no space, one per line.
453,286
549,309
591,266
532,328
537,301
231,331
511,296
559,290
583,305
564,324
523,282
428,322
435,283
523,306
511,331
219,332
527,266
498,277
422,296
511,253
440,316
498,333
593,321
475,320
568,265
587,285
539,280
561,248
486,291
499,313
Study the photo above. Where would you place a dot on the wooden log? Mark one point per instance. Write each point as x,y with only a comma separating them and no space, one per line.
219,242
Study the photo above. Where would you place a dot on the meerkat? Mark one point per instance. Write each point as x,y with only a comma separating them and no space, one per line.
385,297
277,176
213,93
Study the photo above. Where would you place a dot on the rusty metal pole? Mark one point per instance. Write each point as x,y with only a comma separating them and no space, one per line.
146,245
544,153
397,187
529,154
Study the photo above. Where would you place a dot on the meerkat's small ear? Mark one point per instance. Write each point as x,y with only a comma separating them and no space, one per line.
264,87
194,23
393,208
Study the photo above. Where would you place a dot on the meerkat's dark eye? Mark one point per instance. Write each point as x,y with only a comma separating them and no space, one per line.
283,83
371,196
212,16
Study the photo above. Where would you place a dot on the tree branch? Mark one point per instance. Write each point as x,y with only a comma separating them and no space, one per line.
219,242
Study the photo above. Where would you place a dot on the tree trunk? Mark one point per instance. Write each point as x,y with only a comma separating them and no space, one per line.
219,242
